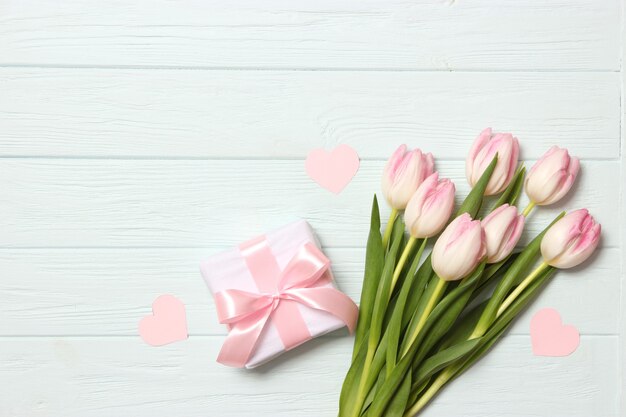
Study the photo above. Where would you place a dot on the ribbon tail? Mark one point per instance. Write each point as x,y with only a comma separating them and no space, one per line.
330,300
242,338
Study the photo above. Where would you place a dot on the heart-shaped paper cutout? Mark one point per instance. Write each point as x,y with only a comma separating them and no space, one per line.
167,324
550,337
334,169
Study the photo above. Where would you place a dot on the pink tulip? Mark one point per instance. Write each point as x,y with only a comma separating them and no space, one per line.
503,228
571,240
404,172
459,249
552,176
430,207
485,147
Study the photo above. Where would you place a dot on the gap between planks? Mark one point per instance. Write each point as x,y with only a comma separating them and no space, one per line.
301,69
617,158
339,334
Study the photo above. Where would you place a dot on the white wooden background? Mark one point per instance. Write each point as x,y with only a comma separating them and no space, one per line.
137,137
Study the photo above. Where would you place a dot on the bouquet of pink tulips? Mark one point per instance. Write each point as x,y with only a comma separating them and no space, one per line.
416,332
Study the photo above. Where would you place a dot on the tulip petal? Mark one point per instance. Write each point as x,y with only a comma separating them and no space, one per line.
479,143
571,240
482,153
430,207
566,183
459,249
503,228
552,176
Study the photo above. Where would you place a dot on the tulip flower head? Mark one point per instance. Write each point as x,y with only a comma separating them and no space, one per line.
485,147
459,249
404,172
430,207
571,240
551,177
503,228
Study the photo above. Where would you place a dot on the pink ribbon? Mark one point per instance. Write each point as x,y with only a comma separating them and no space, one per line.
247,313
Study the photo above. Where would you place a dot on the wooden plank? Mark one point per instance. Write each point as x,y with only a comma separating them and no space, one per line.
274,114
622,211
433,34
199,203
106,292
98,377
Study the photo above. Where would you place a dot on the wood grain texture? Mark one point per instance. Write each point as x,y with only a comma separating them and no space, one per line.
138,137
399,34
123,376
279,114
174,203
107,291
622,332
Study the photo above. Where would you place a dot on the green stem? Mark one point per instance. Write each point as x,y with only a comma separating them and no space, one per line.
451,371
398,313
428,395
420,251
432,302
389,228
521,287
401,262
528,209
373,343
360,395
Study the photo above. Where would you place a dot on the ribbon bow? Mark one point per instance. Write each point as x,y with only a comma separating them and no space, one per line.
247,313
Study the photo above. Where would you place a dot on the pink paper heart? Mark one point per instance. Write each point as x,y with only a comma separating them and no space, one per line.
167,324
550,337
332,170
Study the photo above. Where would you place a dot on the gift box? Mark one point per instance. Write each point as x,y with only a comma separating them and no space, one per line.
275,292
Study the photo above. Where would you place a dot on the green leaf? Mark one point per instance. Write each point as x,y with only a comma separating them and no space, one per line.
381,302
494,271
350,385
507,318
431,287
477,354
352,380
374,261
409,269
416,390
447,312
512,276
443,358
382,294
390,308
370,396
512,192
438,323
377,365
395,327
423,277
463,328
398,403
474,199
496,331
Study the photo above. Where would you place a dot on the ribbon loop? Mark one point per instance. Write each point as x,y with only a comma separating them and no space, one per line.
304,269
248,313
235,305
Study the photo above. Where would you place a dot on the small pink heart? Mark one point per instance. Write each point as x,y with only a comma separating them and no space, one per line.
550,337
167,324
332,170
